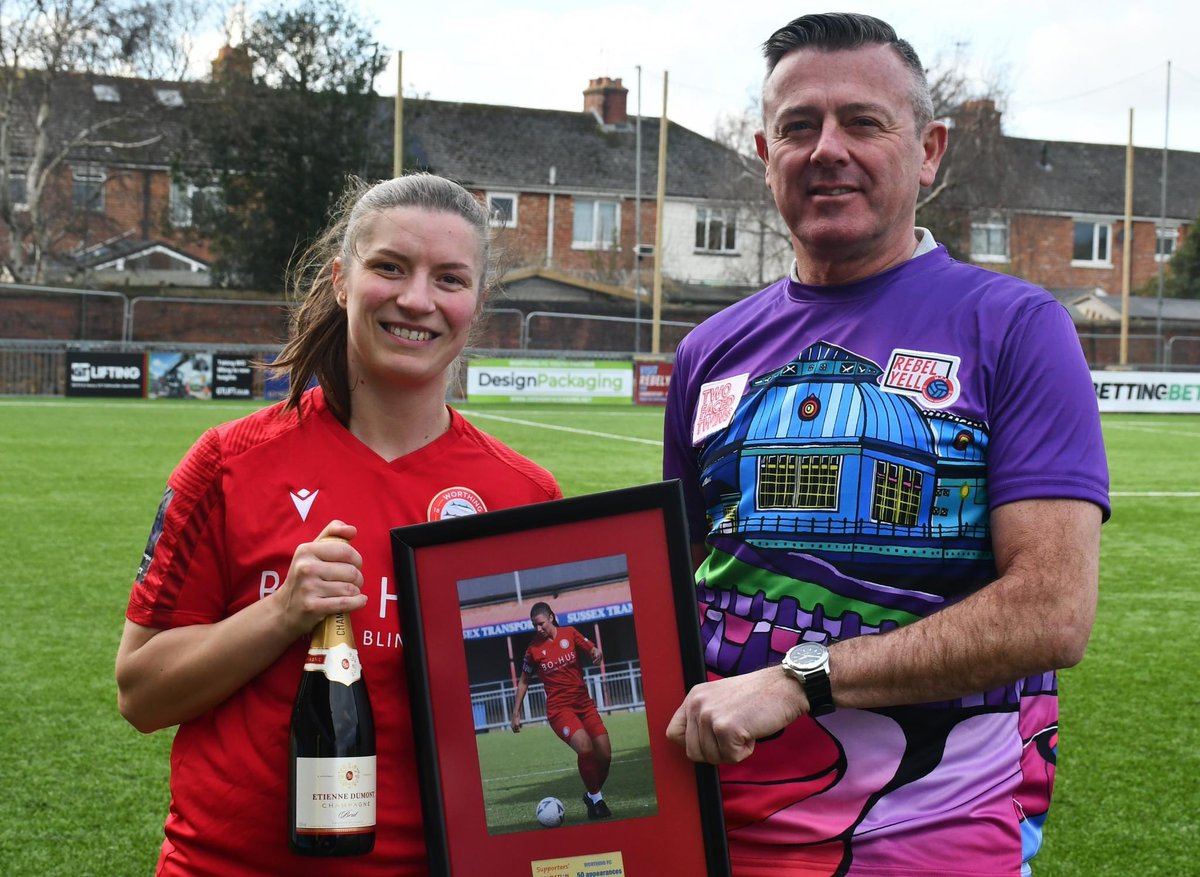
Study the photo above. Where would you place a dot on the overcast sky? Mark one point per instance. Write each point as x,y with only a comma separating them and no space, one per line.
1072,68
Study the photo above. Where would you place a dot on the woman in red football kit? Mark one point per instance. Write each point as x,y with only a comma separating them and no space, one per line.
570,710
236,573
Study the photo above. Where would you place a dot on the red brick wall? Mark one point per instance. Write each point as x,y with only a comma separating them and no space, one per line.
1040,249
136,204
526,244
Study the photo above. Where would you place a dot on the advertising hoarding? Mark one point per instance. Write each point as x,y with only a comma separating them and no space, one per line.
549,380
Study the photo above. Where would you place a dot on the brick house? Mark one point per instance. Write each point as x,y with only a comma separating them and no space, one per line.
110,201
1054,212
564,187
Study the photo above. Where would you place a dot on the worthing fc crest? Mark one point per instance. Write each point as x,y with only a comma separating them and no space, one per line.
931,378
455,502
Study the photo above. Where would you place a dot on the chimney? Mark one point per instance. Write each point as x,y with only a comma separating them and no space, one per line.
231,61
606,99
981,114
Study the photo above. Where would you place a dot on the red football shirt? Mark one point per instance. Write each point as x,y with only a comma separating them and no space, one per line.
556,663
236,508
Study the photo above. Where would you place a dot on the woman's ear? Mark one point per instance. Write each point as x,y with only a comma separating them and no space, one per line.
339,282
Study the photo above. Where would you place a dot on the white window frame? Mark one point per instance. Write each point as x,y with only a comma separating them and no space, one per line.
723,215
23,203
496,219
987,227
99,178
1163,234
1095,261
595,243
181,204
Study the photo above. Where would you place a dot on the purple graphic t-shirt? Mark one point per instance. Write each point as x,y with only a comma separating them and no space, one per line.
840,449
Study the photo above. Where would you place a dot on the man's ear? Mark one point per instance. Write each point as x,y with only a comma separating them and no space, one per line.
760,145
933,147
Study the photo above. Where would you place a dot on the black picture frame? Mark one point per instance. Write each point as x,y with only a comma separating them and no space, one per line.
448,571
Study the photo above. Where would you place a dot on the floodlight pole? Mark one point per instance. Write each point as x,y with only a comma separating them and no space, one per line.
656,328
398,127
637,221
1127,242
1162,227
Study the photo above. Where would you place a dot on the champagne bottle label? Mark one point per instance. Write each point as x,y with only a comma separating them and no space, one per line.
335,795
339,664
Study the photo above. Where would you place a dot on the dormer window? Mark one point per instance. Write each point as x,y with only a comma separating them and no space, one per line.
106,94
168,97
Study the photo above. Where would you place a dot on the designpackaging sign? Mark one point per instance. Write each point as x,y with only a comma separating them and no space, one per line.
549,380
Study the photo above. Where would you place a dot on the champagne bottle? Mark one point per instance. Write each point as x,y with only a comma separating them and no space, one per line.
332,748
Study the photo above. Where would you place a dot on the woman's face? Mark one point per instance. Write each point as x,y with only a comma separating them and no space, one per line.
411,293
543,626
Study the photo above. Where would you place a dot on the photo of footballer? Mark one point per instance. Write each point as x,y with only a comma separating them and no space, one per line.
552,652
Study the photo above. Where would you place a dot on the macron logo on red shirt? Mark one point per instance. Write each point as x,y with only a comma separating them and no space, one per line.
302,499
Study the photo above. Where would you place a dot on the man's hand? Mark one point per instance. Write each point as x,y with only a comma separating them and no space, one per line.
720,721
516,723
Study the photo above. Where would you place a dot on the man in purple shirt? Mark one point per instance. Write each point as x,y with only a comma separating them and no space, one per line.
895,480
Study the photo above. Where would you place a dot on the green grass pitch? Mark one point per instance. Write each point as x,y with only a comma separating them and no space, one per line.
85,794
518,770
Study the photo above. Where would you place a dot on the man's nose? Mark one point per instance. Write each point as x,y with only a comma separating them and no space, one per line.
830,147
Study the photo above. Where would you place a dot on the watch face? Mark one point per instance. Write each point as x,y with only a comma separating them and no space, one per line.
808,656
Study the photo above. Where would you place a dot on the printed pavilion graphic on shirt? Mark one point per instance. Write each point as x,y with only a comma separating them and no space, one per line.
839,507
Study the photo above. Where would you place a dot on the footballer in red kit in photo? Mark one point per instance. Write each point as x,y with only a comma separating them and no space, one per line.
553,656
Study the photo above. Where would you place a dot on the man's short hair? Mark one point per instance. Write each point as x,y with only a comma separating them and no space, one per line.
836,31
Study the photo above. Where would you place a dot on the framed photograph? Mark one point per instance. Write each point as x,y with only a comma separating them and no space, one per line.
547,648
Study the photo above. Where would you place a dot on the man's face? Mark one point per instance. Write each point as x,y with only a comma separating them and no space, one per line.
844,159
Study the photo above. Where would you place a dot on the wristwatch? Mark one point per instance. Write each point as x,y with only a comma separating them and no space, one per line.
808,664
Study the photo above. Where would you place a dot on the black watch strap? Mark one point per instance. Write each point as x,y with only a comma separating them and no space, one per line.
819,693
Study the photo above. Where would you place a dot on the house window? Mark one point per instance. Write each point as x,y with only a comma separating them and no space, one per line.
1167,239
897,495
989,241
716,230
595,226
502,208
17,193
798,481
188,201
87,190
1093,242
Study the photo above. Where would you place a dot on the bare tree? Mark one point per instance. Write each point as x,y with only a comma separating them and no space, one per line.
761,231
41,43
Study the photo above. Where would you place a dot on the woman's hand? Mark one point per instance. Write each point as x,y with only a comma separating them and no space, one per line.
325,577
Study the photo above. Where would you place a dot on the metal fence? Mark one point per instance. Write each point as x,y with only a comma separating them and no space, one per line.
93,320
619,688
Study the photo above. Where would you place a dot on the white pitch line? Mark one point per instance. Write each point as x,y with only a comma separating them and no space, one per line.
1154,429
1168,493
608,435
570,769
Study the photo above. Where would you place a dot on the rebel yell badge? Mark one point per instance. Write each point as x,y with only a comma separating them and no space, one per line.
455,502
931,378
